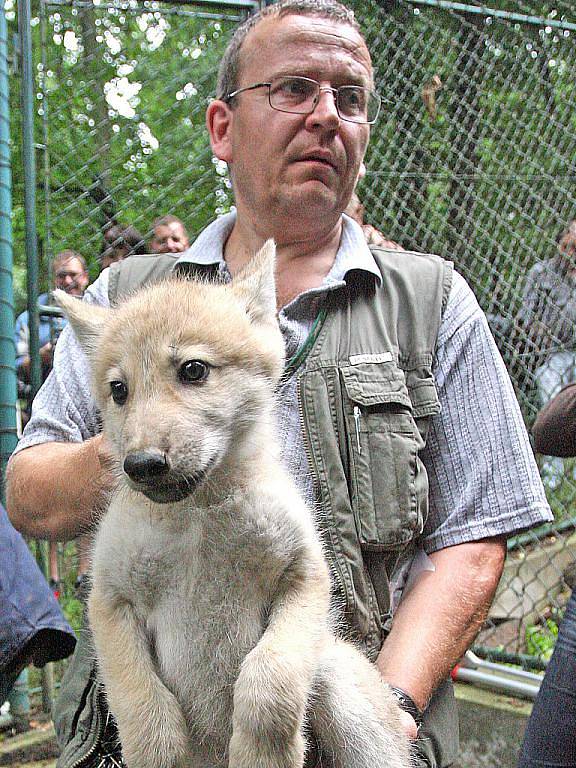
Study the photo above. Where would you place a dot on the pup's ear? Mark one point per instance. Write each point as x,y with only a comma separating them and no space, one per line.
255,284
86,319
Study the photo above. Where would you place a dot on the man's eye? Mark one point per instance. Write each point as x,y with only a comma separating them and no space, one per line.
295,89
119,392
193,372
352,99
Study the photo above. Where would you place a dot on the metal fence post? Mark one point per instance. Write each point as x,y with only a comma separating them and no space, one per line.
7,356
29,163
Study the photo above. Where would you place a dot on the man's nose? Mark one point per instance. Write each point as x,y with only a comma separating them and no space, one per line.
326,110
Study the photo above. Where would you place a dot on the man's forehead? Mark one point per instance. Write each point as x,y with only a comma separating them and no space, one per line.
288,34
172,227
70,265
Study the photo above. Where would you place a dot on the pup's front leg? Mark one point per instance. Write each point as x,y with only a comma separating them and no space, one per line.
275,679
150,721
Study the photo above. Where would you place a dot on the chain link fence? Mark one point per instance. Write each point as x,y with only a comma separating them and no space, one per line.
473,158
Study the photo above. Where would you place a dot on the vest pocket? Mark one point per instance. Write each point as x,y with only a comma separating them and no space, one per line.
383,444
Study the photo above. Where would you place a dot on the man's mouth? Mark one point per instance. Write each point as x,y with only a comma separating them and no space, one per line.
323,158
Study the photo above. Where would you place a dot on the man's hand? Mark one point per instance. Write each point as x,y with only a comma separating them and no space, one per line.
47,354
409,725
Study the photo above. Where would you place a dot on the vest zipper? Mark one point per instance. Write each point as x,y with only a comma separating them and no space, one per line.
328,551
99,733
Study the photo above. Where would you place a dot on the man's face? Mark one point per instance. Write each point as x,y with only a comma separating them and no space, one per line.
70,276
293,173
169,238
567,248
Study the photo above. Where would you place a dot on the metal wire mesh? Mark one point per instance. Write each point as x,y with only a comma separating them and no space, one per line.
472,159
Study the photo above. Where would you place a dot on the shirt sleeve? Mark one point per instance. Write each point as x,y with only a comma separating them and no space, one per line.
64,410
483,478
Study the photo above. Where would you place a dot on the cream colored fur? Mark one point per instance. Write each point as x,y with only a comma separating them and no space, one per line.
210,598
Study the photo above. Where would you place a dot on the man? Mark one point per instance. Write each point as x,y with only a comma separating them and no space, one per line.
291,119
32,627
548,315
119,243
170,235
546,322
70,275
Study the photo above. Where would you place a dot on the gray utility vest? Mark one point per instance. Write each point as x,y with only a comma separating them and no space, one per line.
366,393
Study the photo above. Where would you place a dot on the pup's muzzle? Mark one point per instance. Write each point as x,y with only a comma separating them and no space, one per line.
151,473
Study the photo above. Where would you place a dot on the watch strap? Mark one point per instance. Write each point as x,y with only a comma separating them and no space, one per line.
407,703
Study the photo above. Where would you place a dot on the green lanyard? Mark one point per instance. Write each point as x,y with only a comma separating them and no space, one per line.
301,354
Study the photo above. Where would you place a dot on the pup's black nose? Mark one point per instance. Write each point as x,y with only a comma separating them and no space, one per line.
146,465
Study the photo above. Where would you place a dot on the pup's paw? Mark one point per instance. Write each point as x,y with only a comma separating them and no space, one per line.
247,752
156,740
271,693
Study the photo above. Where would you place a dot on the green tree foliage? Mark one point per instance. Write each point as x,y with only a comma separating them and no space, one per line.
472,157
121,96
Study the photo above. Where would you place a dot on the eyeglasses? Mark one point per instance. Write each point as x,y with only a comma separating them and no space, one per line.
300,96
62,275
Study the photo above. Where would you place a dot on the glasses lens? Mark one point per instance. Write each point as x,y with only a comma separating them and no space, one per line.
358,104
293,94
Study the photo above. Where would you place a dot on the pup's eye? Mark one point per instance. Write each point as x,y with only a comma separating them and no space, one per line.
193,371
119,392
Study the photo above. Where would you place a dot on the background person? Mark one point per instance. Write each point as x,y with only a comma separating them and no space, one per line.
70,274
169,236
459,478
550,736
547,317
119,243
32,627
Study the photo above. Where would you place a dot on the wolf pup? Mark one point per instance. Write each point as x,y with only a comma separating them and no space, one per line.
210,597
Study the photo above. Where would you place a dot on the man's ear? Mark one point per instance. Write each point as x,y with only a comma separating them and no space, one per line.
256,287
87,320
219,118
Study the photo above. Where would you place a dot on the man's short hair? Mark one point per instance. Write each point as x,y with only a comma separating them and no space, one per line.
67,255
229,70
116,235
169,218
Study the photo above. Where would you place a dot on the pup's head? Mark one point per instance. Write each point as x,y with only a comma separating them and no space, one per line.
183,374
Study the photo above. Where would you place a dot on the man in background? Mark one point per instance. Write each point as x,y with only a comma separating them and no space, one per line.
170,235
119,243
70,275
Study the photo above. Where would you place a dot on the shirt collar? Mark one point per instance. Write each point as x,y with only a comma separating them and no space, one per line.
353,252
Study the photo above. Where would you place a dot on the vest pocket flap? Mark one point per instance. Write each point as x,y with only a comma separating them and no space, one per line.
376,384
423,392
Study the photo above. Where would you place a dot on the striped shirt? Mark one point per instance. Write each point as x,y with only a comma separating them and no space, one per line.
483,478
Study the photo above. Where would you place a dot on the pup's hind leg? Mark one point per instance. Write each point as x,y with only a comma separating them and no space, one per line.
354,716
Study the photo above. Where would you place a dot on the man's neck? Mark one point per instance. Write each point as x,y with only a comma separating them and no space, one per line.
300,264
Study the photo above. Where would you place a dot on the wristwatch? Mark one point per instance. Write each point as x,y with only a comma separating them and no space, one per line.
407,703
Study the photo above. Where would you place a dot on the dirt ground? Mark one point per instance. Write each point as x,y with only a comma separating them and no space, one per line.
33,748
